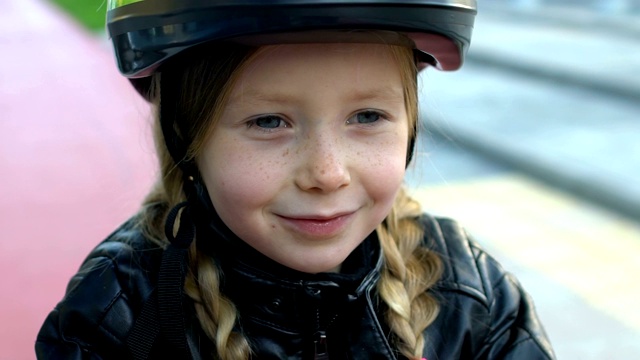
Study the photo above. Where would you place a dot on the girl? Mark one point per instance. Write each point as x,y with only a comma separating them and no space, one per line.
279,228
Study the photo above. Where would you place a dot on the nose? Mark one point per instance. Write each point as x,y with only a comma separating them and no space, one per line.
323,166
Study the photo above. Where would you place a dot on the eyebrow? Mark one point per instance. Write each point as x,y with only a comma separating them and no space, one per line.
380,94
260,96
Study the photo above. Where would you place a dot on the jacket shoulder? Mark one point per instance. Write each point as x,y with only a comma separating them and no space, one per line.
465,265
479,298
102,298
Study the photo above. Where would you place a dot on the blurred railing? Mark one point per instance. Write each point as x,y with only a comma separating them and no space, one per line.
619,18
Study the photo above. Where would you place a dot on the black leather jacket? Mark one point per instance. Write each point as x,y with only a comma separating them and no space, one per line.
484,312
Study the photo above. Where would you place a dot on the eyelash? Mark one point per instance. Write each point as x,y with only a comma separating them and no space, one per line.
253,122
379,114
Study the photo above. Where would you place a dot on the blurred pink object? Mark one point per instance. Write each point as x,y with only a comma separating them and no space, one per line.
76,160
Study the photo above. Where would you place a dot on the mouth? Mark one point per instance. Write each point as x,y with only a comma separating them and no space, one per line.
318,225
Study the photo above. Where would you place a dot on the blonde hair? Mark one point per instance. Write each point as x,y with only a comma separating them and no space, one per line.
205,79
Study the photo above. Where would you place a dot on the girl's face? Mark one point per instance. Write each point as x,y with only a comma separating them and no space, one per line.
310,151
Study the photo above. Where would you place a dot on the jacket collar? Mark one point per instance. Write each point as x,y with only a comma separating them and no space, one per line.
281,310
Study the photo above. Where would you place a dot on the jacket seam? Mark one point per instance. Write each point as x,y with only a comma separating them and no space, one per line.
502,278
482,276
69,340
115,298
107,309
377,328
272,324
467,291
492,303
478,294
530,337
438,232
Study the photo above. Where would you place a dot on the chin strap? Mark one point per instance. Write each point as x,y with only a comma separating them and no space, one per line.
162,315
411,147
173,269
163,312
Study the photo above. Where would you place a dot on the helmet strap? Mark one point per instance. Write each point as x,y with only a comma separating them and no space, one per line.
176,146
412,144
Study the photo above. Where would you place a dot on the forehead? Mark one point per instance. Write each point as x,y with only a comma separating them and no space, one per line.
305,68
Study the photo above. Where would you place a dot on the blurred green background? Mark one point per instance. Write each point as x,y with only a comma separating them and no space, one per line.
90,13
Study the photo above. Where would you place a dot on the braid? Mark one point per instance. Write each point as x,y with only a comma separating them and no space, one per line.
204,80
410,270
216,313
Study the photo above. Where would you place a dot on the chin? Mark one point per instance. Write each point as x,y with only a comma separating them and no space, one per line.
312,267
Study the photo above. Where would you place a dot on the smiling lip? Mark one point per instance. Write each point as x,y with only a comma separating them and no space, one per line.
318,226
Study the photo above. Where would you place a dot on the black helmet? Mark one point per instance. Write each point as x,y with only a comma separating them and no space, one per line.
145,33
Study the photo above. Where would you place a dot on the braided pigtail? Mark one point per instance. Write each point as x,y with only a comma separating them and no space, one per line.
216,314
410,270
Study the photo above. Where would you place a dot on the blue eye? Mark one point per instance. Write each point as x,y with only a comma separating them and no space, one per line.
269,122
365,117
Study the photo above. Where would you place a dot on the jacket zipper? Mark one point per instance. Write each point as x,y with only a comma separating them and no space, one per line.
320,341
320,345
321,351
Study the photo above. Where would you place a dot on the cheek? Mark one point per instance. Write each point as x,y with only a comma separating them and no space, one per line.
387,178
384,170
236,178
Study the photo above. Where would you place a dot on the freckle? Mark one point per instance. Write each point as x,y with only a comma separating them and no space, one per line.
285,153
